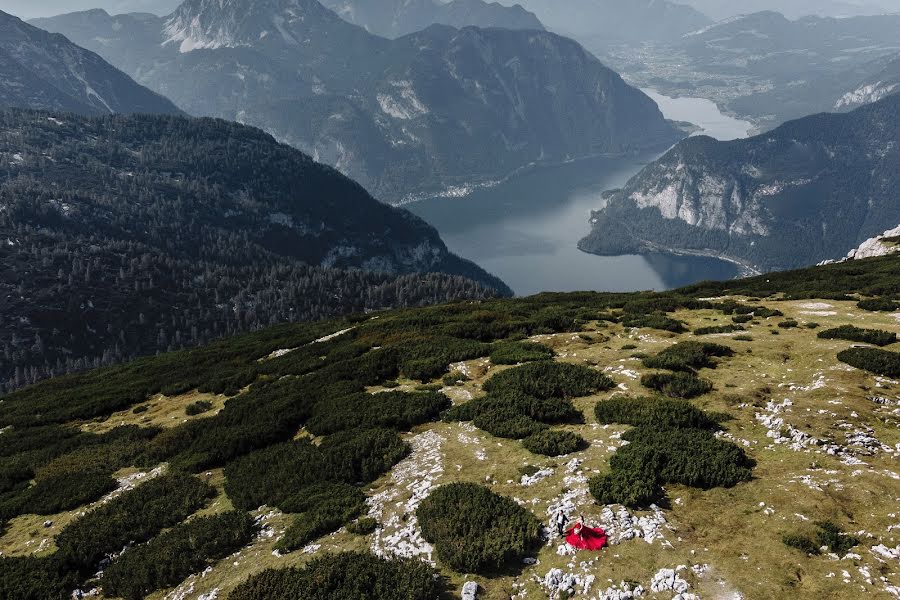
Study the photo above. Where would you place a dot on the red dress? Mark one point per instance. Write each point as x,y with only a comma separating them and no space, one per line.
586,538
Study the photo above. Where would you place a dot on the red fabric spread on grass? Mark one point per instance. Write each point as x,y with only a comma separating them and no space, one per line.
588,538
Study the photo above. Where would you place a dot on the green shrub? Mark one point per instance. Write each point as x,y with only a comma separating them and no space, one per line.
395,410
198,408
476,531
554,442
167,559
718,329
138,410
656,413
875,337
692,457
880,362
347,576
831,535
654,321
741,319
677,385
550,380
513,353
626,488
879,305
31,578
800,542
364,526
135,516
57,493
687,356
507,424
742,338
324,508
275,475
789,324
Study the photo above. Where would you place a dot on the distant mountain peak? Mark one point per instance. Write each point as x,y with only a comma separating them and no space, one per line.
212,24
45,70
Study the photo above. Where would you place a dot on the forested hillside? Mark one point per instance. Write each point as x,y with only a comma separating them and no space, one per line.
713,432
126,236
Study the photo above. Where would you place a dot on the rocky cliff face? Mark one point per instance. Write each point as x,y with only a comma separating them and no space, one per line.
43,70
800,194
437,108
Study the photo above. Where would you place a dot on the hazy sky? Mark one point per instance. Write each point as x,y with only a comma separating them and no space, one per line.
714,8
29,9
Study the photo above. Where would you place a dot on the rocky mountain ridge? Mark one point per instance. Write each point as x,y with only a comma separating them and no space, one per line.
396,18
438,108
42,70
800,194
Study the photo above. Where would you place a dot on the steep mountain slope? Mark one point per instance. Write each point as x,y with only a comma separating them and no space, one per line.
439,108
802,193
280,464
128,236
43,70
395,18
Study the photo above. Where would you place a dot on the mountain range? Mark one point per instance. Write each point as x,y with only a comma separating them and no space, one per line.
808,191
436,109
789,67
395,18
44,70
600,23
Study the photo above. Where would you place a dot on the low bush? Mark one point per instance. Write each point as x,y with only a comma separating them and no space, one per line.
507,424
275,475
875,337
167,559
513,353
32,578
550,380
554,442
879,305
687,356
656,413
364,526
198,408
741,319
475,530
135,516
653,458
800,542
677,385
396,410
57,493
348,576
654,321
874,360
718,329
833,536
827,535
789,324
322,509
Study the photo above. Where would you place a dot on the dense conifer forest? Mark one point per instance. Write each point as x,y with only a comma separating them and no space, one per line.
128,236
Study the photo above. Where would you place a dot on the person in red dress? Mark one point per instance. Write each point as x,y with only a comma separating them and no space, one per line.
583,537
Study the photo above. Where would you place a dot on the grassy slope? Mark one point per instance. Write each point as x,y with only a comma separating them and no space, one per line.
735,531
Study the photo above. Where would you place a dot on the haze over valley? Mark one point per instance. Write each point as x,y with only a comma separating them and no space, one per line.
431,299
